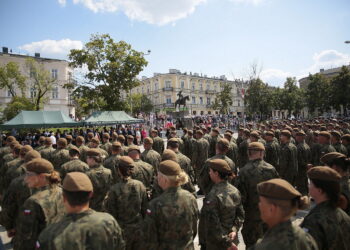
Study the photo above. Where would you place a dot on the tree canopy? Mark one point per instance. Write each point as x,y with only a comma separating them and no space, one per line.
12,79
223,100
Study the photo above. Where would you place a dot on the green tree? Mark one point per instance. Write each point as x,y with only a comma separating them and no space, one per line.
41,82
340,88
139,103
112,68
12,79
318,93
223,100
291,97
16,105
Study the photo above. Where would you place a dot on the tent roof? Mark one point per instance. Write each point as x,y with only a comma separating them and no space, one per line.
39,119
110,117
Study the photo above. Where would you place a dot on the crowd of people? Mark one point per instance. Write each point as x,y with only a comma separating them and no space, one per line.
100,190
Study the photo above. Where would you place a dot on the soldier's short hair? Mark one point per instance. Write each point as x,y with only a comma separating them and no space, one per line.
77,198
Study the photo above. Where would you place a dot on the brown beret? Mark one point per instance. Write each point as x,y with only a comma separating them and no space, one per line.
346,137
328,158
17,148
39,166
148,140
13,144
25,149
126,161
116,145
121,138
42,139
220,166
134,147
224,142
93,152
269,133
300,133
79,139
169,168
229,131
31,155
173,132
74,150
154,131
190,132
228,135
286,133
48,141
199,132
255,134
69,137
215,130
173,140
336,134
257,146
62,142
10,139
106,136
278,189
90,134
130,137
77,182
169,155
325,134
95,140
323,174
316,132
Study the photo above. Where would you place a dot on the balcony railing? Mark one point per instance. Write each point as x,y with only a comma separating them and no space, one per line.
168,89
210,92
169,105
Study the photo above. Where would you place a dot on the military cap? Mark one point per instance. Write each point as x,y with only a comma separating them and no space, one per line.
220,166
17,148
154,131
114,135
32,154
286,133
316,132
300,133
336,134
25,149
39,166
224,142
93,152
74,150
216,130
328,158
148,140
77,182
228,135
42,139
121,138
95,140
257,146
246,131
325,134
323,174
90,135
130,137
204,129
255,134
189,132
269,133
126,161
172,128
295,129
106,135
62,142
10,139
134,147
173,132
169,155
79,139
199,132
278,189
173,140
116,145
346,137
69,137
169,168
185,130
229,131
48,141
14,143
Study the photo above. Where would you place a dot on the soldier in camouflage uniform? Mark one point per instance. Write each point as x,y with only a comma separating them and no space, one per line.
4,168
121,140
127,203
10,156
81,228
60,155
189,142
272,149
171,220
315,148
240,135
149,155
158,143
254,172
79,141
222,213
325,147
304,158
327,224
346,142
243,148
278,202
200,153
47,151
232,152
69,139
112,161
181,142
100,177
288,162
95,143
43,208
106,145
5,150
41,145
204,182
213,139
74,165
335,140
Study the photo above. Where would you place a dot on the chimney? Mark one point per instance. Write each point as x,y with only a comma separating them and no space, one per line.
37,54
321,70
5,50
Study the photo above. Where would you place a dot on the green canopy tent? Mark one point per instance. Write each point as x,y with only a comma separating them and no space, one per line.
110,118
39,119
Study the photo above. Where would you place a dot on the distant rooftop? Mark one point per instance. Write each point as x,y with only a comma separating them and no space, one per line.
5,51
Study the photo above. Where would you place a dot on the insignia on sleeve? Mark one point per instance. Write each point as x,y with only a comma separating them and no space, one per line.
27,212
37,245
306,230
207,202
148,211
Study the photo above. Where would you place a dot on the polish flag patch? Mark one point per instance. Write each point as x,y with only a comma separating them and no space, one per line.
148,211
27,212
37,245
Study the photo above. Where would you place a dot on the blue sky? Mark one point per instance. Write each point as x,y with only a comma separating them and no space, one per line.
212,37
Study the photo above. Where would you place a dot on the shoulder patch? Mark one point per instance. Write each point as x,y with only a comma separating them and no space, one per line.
148,211
37,245
306,230
27,212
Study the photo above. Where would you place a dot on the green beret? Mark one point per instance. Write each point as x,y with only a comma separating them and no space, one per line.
323,174
77,182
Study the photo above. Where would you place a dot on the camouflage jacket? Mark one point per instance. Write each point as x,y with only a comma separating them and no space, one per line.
188,146
83,150
101,179
14,164
303,156
4,151
285,236
86,230
221,214
320,151
46,153
7,158
39,210
12,173
232,152
158,144
330,227
243,153
200,153
340,148
249,177
171,221
107,146
143,172
59,157
185,164
152,157
288,165
212,145
74,165
345,190
272,153
112,164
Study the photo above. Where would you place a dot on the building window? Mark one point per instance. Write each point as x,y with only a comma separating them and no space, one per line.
201,86
193,100
168,99
182,84
147,90
208,100
54,73
202,112
156,86
168,84
32,92
238,103
55,92
201,100
215,88
208,86
32,73
193,86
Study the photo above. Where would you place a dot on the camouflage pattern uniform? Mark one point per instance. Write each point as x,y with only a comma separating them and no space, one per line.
158,144
304,158
315,156
243,153
171,221
200,155
329,226
340,148
127,203
143,172
285,236
189,142
83,150
39,210
101,179
107,146
47,152
152,157
7,158
74,165
10,165
59,157
288,165
112,164
272,153
212,145
13,173
321,151
185,164
221,214
232,152
86,230
205,182
250,175
4,151
345,190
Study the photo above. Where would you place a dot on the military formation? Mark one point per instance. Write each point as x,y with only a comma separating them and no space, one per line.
90,194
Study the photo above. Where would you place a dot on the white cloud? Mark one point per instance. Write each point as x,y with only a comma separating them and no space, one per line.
254,2
275,77
52,48
158,12
62,2
327,59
